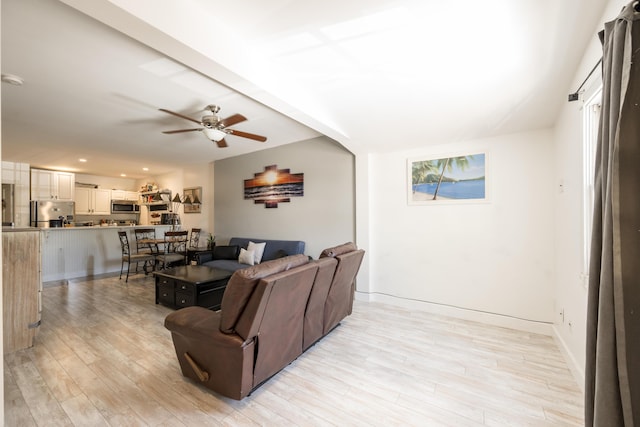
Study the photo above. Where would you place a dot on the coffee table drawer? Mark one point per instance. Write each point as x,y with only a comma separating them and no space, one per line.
190,285
185,287
184,299
165,292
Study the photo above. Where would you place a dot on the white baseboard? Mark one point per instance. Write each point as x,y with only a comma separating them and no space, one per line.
576,370
544,328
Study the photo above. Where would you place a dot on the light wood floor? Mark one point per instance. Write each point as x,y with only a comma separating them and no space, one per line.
103,357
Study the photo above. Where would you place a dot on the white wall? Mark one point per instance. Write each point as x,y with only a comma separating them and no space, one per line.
199,176
494,257
570,290
323,217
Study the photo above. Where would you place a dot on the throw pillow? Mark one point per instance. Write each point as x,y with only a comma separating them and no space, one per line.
246,257
258,250
226,252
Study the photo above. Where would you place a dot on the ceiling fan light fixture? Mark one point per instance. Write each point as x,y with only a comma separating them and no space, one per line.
214,134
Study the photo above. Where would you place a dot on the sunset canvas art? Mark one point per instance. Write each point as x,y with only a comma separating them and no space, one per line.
274,186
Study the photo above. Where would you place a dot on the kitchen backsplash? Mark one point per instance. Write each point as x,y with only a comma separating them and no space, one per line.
118,218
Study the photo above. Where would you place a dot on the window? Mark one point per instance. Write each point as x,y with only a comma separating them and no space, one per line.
591,120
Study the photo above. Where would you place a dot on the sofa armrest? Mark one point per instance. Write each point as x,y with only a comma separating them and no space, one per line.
202,325
203,257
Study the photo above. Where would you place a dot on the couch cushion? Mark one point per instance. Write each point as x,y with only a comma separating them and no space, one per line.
273,248
225,264
338,250
243,282
226,252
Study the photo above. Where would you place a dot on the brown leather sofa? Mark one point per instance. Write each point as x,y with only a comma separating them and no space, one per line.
270,314
332,295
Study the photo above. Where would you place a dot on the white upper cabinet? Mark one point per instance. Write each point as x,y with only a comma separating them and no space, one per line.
132,195
52,185
93,201
125,195
117,194
66,185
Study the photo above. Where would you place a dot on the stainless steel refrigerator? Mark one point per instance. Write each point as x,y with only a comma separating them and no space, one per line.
45,214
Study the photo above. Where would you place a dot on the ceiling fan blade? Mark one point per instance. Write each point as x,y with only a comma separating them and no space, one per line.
222,143
246,135
232,120
180,131
180,115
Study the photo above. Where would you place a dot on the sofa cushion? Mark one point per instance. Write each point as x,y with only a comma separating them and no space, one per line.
226,252
243,282
280,254
272,247
338,250
226,264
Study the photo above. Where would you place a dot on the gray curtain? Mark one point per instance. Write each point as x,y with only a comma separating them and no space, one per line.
612,371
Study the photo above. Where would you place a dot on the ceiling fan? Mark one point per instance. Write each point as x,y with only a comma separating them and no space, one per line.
215,128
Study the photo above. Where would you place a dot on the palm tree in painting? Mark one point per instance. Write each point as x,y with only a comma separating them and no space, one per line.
447,164
421,170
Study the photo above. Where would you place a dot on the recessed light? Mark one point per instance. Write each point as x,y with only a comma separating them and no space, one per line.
123,174
12,79
82,160
145,169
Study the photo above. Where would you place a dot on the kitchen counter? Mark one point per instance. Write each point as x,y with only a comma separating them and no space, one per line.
105,227
17,229
73,252
6,229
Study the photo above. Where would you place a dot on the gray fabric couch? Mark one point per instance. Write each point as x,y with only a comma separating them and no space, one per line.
225,257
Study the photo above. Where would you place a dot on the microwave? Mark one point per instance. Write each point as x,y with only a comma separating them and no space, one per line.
159,207
124,206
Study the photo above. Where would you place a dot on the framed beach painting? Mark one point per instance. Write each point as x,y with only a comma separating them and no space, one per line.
448,179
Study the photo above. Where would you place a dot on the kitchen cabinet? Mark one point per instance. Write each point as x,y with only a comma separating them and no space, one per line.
19,174
125,195
21,287
132,195
52,185
117,195
93,201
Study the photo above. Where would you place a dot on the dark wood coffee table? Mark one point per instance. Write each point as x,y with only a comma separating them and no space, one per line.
189,285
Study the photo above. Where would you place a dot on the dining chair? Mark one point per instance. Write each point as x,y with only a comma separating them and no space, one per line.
143,234
132,258
194,238
175,247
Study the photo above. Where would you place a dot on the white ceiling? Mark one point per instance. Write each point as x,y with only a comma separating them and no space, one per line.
375,75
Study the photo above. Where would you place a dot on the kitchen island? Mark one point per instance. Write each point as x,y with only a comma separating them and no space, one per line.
72,252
